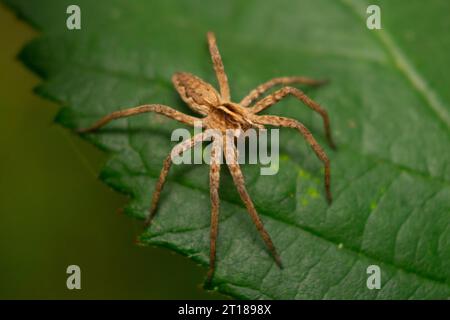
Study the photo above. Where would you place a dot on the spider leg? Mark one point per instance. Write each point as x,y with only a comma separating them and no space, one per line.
214,178
177,150
158,108
291,123
261,89
218,67
300,95
238,179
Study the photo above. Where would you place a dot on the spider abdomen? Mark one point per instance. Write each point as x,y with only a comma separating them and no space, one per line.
198,94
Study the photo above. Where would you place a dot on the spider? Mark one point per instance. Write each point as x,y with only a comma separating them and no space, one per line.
220,113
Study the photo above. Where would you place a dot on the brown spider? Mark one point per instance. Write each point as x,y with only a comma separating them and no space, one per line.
220,113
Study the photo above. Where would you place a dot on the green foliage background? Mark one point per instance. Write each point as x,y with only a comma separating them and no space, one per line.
54,211
389,106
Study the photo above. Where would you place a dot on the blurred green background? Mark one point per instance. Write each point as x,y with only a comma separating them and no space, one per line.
54,212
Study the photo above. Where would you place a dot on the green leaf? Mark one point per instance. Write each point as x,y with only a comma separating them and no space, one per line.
389,105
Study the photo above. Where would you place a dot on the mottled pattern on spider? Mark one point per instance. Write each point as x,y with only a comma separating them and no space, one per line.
220,113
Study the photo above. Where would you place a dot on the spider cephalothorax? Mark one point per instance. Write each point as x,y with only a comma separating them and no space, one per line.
221,114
